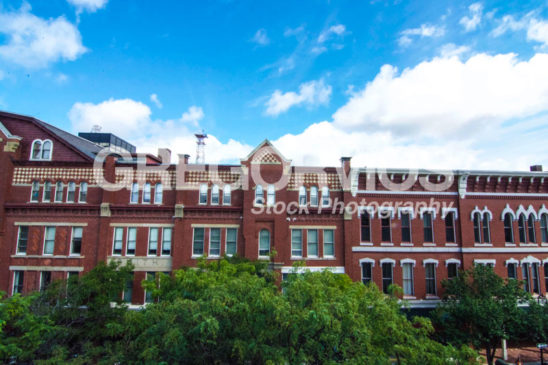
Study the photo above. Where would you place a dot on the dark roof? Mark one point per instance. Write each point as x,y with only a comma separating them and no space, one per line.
89,148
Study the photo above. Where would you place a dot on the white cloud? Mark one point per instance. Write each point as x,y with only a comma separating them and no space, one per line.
425,30
294,31
261,37
156,101
88,5
536,29
34,42
471,22
193,115
451,50
338,29
449,98
310,93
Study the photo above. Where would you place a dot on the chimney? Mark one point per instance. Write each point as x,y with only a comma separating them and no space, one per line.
536,168
345,161
184,159
165,155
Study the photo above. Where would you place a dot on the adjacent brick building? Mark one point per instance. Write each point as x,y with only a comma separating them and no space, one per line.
64,206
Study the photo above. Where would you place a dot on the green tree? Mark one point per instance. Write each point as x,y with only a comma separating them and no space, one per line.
480,308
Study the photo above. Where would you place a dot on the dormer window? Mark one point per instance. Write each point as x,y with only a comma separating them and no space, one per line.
259,195
41,150
226,195
215,195
270,195
302,196
203,194
314,196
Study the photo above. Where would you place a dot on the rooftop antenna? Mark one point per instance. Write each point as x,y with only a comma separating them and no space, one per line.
96,128
200,146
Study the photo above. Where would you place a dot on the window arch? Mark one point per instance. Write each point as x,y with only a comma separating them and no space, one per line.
41,149
203,194
259,195
36,152
314,196
264,243
227,198
302,195
326,201
508,229
46,150
270,195
158,193
215,194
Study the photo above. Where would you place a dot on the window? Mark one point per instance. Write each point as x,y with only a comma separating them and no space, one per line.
118,241
481,227
71,192
408,288
76,244
485,223
83,192
536,278
152,241
430,274
508,229
146,193
151,276
452,270
296,242
131,241
450,227
302,196
314,196
22,240
128,290
477,227
49,240
264,243
546,274
203,194
231,241
158,193
166,241
270,195
405,228
215,242
367,272
386,234
35,191
215,195
198,242
326,201
512,270
387,278
41,150
227,195
531,228
46,195
366,227
45,280
134,193
328,243
312,243
259,195
18,281
544,228
428,231
526,277
58,192
522,228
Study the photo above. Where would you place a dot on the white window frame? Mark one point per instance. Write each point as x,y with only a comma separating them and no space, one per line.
269,243
412,263
117,229
72,253
158,193
314,195
170,229
235,241
17,252
83,189
46,228
302,196
58,186
308,243
270,195
259,195
147,191
17,273
69,184
134,193
227,195
324,243
35,184
41,150
150,229
215,194
211,240
131,229
326,198
194,241
45,190
293,255
202,193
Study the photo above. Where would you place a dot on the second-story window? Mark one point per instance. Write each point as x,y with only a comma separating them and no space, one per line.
166,241
259,195
531,228
215,195
366,227
35,191
134,198
544,229
314,196
131,241
450,227
312,243
428,228
49,241
508,229
58,192
118,241
198,242
387,276
46,195
153,241
83,194
302,195
215,242
71,192
430,269
408,287
147,193
76,242
158,194
329,243
22,240
522,227
264,243
227,198
231,239
481,227
296,243
203,194
512,270
270,195
405,227
326,200
386,229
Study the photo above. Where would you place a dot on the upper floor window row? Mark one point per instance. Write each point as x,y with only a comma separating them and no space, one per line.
125,241
57,192
314,196
41,150
270,195
49,237
147,193
215,195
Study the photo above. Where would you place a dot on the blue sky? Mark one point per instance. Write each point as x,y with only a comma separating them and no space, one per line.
392,83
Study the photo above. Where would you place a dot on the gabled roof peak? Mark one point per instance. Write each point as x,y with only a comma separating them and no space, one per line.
268,153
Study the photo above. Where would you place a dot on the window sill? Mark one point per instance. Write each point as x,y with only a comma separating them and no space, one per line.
366,243
483,244
510,244
47,256
296,257
406,244
429,244
431,297
264,258
409,297
451,244
387,244
544,244
528,245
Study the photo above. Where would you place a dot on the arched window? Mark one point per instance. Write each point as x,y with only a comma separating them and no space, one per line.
203,194
158,193
146,193
302,196
35,191
264,243
486,234
71,192
36,150
58,192
270,195
46,150
531,228
46,195
227,199
215,194
314,196
134,198
83,192
522,222
477,227
508,229
544,227
259,195
326,201
481,227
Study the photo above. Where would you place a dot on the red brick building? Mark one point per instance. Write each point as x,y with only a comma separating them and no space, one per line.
65,206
